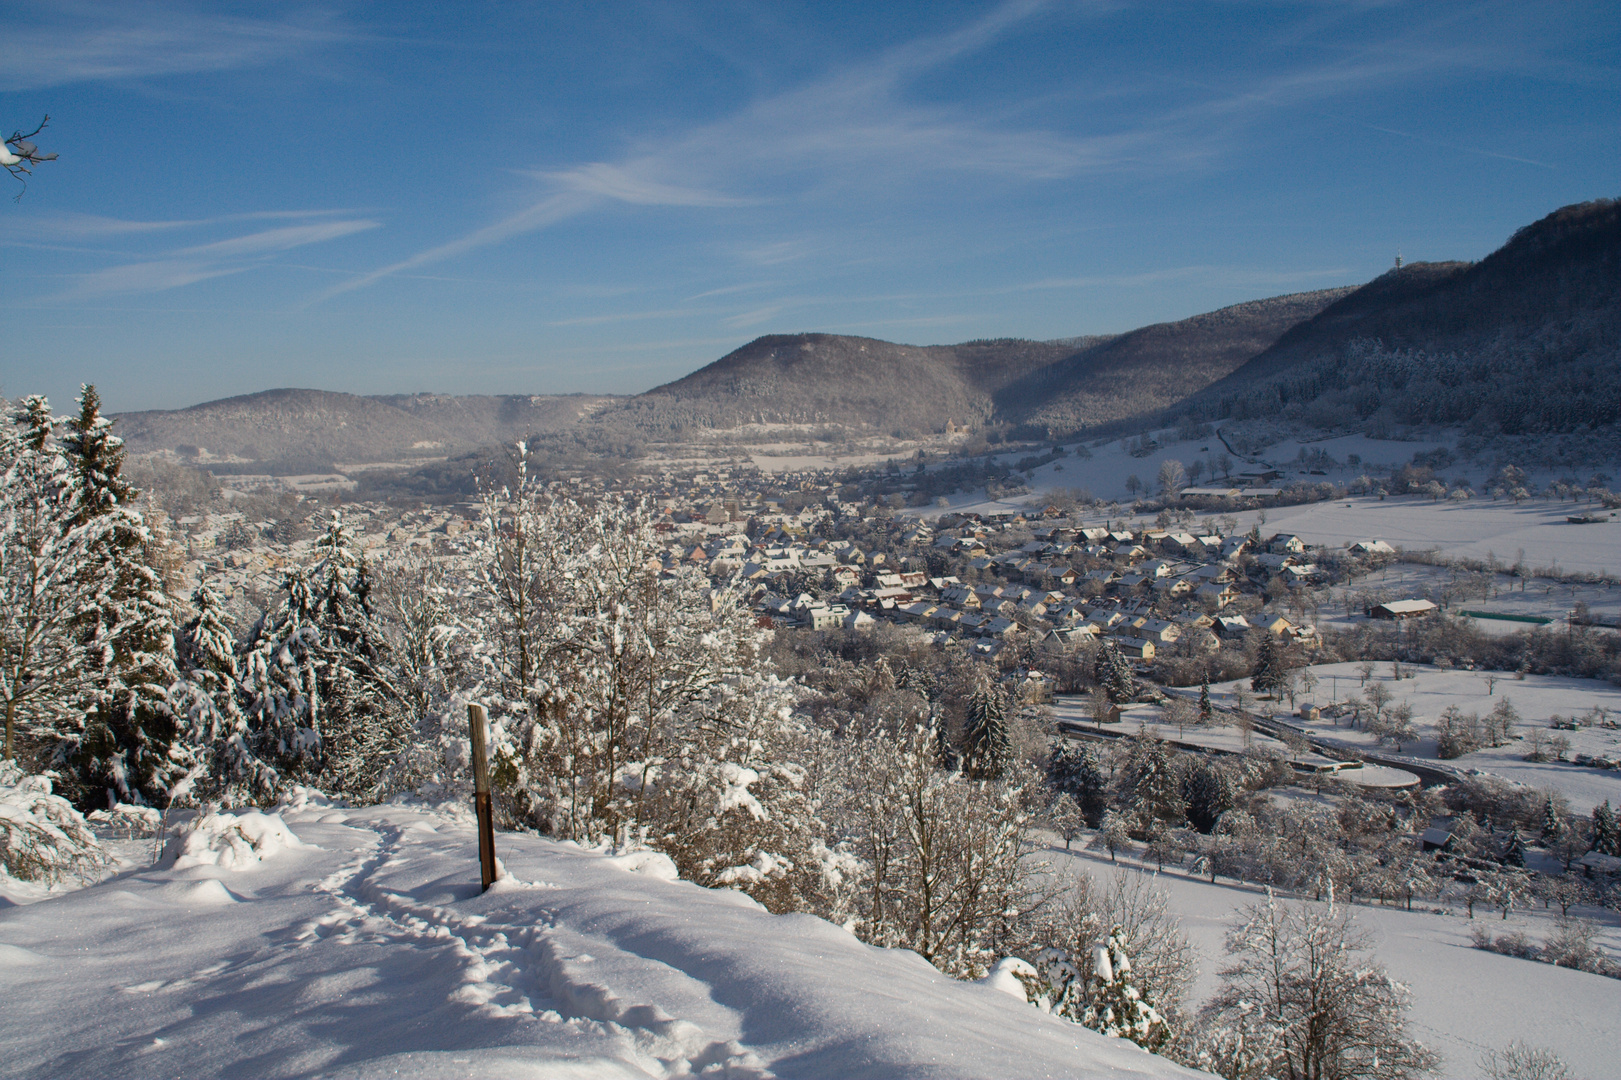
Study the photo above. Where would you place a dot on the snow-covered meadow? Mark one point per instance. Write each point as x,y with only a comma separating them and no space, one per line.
1537,699
354,943
1465,1000
1475,529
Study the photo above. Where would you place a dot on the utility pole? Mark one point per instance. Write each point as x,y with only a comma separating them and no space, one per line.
478,728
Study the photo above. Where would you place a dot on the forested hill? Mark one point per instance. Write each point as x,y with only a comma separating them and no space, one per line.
831,379
1526,340
308,430
1140,373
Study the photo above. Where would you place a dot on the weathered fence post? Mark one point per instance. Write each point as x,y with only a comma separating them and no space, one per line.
478,727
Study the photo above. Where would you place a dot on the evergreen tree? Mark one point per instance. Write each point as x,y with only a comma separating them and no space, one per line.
1606,832
1271,666
51,575
1513,850
987,747
1153,789
35,423
1115,1005
1206,712
1113,673
1210,791
1553,822
130,747
320,700
1076,771
208,698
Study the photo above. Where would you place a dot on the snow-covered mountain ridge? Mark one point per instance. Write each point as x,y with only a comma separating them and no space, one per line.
367,950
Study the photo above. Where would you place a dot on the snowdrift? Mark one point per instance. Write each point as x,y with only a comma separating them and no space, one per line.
355,943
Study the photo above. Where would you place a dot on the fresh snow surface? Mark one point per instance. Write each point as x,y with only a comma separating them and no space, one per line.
358,945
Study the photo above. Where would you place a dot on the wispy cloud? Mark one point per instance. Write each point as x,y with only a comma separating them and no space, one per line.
549,211
753,318
200,262
90,226
852,116
146,277
59,44
283,239
615,182
860,131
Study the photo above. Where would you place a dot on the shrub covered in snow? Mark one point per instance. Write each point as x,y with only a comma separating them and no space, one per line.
231,841
42,837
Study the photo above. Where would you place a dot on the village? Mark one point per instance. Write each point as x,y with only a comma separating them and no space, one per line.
815,554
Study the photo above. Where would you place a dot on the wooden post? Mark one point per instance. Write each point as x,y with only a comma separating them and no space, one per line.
478,727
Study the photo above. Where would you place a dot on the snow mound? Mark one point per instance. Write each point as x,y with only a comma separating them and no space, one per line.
1005,976
230,841
652,863
43,838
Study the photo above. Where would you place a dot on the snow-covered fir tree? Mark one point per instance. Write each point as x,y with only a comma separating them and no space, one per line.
1553,822
1271,666
1115,1005
1606,830
1076,771
1112,672
1152,787
50,575
208,697
1206,711
129,748
987,747
321,707
1209,791
1513,850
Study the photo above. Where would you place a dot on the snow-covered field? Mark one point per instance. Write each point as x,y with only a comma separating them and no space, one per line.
1476,529
1536,698
1465,1000
361,947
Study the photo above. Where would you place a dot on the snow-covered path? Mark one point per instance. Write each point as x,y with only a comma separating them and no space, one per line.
370,952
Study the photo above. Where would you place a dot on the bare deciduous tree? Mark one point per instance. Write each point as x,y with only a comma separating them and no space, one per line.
1303,999
18,152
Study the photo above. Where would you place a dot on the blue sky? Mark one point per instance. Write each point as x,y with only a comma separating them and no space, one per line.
600,197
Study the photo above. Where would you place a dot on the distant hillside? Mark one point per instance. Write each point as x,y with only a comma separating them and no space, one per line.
306,430
1526,340
1140,373
829,379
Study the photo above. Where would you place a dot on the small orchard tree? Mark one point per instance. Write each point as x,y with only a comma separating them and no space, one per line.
1302,998
1522,1061
1173,477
